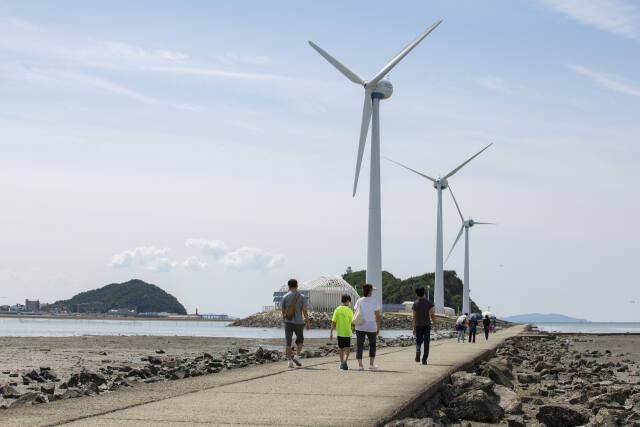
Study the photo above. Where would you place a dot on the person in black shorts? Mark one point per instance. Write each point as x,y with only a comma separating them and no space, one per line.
341,321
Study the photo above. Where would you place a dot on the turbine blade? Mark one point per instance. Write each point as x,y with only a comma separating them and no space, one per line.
454,243
456,202
485,223
412,170
383,72
364,130
339,65
462,165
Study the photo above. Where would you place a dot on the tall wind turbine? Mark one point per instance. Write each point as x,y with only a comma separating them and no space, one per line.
466,225
375,89
440,184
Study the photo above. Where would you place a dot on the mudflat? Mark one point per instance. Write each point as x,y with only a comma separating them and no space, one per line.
67,355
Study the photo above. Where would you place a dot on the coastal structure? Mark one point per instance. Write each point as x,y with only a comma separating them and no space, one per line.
323,293
375,90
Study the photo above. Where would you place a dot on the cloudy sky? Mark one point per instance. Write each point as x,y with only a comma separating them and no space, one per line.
206,148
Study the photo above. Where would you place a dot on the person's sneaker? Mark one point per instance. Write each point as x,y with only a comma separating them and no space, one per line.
417,356
296,360
360,368
344,366
424,362
290,363
373,367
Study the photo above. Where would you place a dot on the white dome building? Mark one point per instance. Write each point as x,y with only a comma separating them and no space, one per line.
324,293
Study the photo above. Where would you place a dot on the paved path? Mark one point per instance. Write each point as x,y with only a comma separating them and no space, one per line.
318,394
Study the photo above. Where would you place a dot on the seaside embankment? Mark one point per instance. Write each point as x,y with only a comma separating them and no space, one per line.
517,377
324,395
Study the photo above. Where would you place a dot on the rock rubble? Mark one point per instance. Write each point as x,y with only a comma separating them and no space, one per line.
537,379
319,320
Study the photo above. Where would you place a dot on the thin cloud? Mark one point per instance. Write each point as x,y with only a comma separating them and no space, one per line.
607,82
494,83
63,50
212,248
244,258
498,84
618,17
148,257
194,264
251,259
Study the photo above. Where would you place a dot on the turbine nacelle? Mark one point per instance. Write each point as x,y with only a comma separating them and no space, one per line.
381,90
469,223
441,183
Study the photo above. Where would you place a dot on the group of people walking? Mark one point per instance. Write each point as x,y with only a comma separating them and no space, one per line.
364,320
465,321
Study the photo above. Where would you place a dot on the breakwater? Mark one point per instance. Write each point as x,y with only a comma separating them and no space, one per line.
319,320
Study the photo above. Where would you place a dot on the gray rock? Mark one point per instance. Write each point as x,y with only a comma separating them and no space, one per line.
499,373
515,421
561,416
48,374
475,405
605,418
464,381
414,422
48,388
508,400
9,392
154,360
528,378
29,398
71,393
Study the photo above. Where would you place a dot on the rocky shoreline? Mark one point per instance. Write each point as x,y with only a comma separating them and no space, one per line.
43,384
541,379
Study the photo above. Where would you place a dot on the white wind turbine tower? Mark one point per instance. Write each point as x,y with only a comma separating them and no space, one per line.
375,89
440,184
466,225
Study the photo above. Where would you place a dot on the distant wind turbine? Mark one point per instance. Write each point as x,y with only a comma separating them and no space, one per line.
375,89
466,225
440,184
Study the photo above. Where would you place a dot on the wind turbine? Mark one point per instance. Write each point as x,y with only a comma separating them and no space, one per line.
440,184
379,87
466,225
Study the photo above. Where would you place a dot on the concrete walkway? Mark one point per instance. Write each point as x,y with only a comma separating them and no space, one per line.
318,394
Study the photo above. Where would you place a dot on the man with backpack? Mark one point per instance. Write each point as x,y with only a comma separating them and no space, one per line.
294,305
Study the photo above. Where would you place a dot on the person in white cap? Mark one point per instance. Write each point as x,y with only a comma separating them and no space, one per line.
369,328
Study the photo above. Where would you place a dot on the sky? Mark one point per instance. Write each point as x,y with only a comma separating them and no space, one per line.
206,148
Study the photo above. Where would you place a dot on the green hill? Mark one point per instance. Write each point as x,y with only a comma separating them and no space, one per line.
396,291
134,295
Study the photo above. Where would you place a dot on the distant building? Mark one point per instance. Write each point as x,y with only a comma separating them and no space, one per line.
5,308
32,306
121,312
19,307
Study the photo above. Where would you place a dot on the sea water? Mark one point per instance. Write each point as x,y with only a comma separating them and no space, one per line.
27,327
590,327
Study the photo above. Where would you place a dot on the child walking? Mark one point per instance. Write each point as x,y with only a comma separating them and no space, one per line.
341,321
